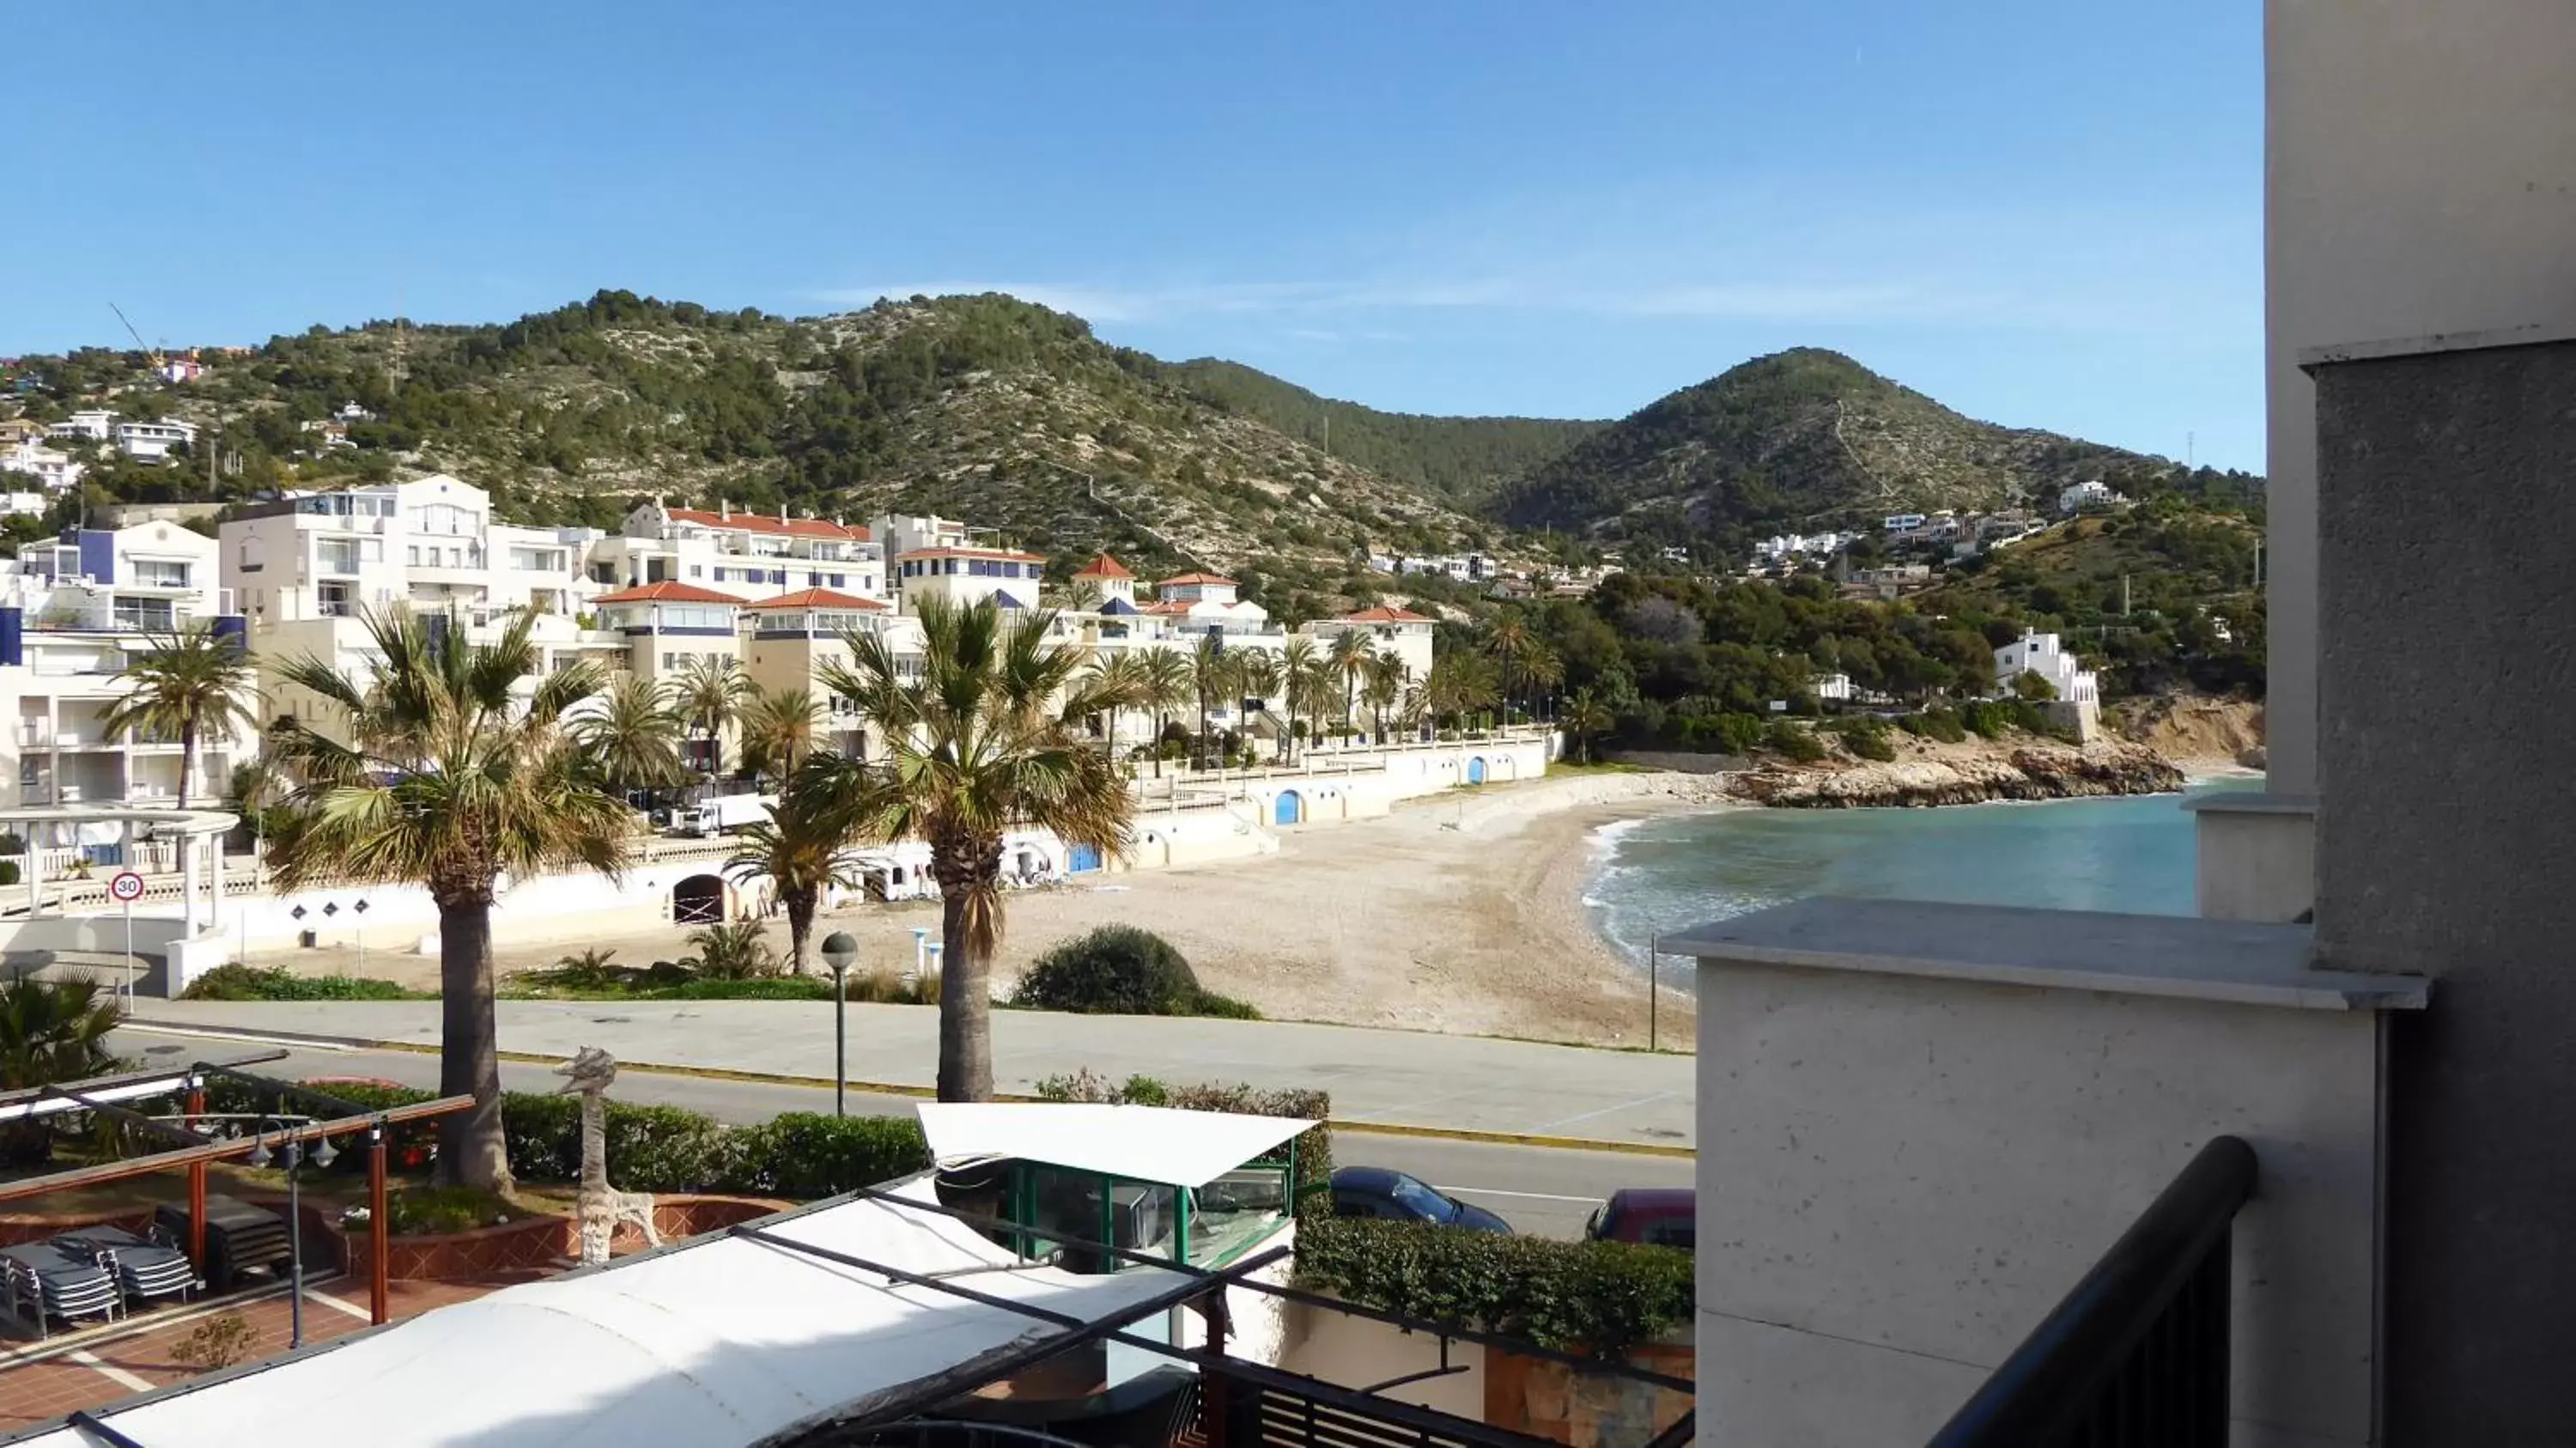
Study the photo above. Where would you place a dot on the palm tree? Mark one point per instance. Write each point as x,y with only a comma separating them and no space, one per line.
735,951
979,744
802,849
1257,670
1586,718
1541,672
449,781
633,736
1349,655
192,683
1297,670
1459,684
778,728
51,1031
1511,644
1210,672
1387,676
1317,687
1165,687
1121,678
708,695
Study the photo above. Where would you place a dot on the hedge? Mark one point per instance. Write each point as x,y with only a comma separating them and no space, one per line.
238,982
1596,1297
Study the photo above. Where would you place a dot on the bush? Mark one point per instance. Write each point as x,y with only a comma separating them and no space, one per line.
239,982
1786,738
1941,724
1122,971
1599,1297
804,1155
1870,744
1987,719
426,1211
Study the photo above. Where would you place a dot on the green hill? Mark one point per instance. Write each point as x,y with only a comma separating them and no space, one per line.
982,407
1796,440
1465,460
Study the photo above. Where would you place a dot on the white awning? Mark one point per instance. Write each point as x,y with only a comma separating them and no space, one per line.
721,1343
1141,1143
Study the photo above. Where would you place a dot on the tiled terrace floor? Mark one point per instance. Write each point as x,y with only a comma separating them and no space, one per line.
41,1381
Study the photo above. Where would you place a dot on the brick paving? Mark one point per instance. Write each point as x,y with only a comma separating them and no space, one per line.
41,1381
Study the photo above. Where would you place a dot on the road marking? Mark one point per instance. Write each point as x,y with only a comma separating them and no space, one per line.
335,1304
1523,1196
299,1043
113,1374
1606,1110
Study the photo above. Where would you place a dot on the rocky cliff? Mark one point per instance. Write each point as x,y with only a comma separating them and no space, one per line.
2024,770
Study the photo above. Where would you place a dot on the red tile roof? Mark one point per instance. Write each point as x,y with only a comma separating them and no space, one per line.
668,591
1167,605
762,523
813,598
1188,578
1104,566
1384,614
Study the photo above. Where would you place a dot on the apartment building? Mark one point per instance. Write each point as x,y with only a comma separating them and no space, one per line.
749,555
789,642
72,612
154,442
1400,631
963,574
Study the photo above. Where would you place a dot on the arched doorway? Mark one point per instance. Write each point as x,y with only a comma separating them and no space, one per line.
1476,770
1289,809
1082,860
698,900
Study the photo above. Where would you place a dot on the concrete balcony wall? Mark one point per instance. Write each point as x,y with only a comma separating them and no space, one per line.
1920,1125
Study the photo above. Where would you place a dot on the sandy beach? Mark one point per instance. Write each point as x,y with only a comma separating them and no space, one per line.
1460,913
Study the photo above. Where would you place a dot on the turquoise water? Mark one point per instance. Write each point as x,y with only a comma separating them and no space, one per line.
1664,875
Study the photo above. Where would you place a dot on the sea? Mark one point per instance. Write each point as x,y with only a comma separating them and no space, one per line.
1663,875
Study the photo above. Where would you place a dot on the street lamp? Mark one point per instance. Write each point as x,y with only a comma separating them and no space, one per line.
293,1153
840,952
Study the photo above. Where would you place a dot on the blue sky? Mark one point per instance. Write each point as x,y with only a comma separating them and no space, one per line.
2044,214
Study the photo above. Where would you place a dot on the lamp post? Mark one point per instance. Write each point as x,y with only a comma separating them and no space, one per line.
840,952
293,1153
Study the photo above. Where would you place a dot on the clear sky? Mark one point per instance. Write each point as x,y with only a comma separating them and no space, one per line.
2044,213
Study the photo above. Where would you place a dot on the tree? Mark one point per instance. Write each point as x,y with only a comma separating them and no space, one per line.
778,727
1215,676
1586,718
1512,646
1459,684
1119,677
633,736
733,951
1298,669
1165,687
1348,655
708,695
2033,687
1258,671
53,1031
977,745
448,781
192,683
1387,675
803,848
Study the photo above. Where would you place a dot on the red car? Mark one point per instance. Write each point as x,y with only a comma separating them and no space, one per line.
1652,1216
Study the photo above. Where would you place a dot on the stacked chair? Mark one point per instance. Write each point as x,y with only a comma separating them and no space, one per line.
46,1280
144,1266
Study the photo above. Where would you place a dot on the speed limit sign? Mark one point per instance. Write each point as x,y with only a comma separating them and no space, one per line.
127,886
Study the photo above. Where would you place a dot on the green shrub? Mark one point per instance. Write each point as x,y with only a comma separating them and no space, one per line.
1599,1297
804,1155
1987,718
239,982
1870,744
1124,971
423,1211
1786,738
1941,724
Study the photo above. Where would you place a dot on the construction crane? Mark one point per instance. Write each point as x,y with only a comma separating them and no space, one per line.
150,352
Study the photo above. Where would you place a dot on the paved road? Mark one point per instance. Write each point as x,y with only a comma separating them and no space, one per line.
1398,1077
1549,1191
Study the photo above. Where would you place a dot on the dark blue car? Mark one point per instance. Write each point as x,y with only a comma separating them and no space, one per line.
1388,1195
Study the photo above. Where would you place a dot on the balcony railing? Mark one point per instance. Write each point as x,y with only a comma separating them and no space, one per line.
2138,1352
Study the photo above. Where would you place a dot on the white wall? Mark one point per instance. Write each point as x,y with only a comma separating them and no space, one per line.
2421,179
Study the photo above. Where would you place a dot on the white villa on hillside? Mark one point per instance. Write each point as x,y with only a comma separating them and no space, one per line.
2042,654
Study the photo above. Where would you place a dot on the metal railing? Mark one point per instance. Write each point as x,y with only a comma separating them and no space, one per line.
2138,1352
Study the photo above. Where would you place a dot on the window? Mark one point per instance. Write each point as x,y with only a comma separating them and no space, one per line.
695,571
411,555
670,661
336,555
155,574
836,580
337,600
150,614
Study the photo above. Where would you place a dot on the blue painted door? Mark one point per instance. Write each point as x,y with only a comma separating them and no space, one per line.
1476,770
1290,809
1082,860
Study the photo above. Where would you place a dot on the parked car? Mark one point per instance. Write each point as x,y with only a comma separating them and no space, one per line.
1387,1195
1653,1216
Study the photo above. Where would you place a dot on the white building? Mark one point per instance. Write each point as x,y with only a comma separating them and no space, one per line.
52,468
2041,654
72,612
1399,631
2076,497
153,442
97,425
967,575
749,555
1836,688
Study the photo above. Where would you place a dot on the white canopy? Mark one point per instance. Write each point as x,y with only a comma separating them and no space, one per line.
721,1342
1141,1143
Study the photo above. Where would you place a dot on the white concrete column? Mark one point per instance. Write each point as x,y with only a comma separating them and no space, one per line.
187,885
215,912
